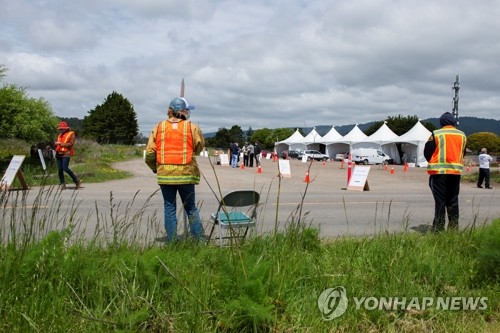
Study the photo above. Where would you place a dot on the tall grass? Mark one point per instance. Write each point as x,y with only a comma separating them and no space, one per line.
54,279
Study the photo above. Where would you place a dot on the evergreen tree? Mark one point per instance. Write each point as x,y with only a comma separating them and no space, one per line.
115,121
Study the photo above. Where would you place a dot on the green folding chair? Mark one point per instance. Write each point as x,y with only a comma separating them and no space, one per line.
236,213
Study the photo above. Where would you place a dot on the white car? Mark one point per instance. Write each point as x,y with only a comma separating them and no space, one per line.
369,156
313,155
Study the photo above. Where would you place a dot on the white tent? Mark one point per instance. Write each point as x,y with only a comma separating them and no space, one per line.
413,142
312,140
384,139
332,141
294,141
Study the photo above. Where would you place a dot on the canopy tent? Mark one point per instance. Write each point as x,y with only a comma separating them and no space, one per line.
313,140
384,139
413,142
343,145
332,142
293,142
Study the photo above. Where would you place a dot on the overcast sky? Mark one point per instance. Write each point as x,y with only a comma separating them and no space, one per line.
257,63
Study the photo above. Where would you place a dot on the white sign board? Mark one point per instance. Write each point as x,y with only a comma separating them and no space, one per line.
224,159
284,167
12,172
358,180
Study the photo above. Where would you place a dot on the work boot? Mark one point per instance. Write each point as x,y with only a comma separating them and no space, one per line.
62,186
78,184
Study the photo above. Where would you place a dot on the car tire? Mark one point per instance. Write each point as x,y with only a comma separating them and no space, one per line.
365,162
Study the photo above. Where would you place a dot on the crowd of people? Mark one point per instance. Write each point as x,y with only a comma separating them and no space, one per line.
250,154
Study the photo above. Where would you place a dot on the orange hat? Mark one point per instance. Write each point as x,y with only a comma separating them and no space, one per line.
63,125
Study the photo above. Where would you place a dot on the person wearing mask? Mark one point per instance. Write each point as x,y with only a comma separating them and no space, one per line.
171,154
484,169
251,153
444,152
64,147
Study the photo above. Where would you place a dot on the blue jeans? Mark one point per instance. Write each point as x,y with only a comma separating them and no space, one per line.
234,160
187,195
63,166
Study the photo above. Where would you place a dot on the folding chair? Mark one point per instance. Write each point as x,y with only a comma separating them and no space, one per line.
235,221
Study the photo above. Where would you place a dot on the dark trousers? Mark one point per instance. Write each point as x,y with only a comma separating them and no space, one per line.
245,159
250,159
484,174
445,190
63,166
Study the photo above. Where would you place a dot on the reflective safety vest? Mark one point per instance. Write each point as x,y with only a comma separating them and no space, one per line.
449,153
174,143
65,138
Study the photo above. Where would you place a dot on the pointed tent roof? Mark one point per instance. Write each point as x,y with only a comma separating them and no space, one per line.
296,137
354,135
418,133
383,135
331,137
312,137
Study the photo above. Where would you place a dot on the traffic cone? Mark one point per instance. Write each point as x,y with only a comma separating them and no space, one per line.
405,167
385,166
324,163
259,170
392,170
306,179
242,166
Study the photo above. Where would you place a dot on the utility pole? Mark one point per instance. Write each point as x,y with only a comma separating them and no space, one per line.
182,88
456,87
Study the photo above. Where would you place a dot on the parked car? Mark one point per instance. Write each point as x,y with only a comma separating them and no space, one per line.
290,154
370,156
313,155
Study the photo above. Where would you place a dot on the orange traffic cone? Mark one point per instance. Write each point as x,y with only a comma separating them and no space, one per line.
306,179
242,166
324,163
259,170
392,170
385,166
405,167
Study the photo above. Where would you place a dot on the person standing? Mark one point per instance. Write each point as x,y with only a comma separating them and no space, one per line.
484,169
171,153
244,149
235,152
257,151
64,147
251,153
444,152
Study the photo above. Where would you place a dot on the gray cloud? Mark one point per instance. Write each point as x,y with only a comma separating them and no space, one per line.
257,63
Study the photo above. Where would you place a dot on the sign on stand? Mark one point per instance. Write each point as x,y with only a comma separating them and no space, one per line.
13,170
224,159
358,180
284,167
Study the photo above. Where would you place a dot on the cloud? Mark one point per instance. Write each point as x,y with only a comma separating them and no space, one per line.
257,63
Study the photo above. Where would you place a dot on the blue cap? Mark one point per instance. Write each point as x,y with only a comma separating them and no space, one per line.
178,104
188,106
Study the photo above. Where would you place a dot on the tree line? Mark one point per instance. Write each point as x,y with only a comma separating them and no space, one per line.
33,120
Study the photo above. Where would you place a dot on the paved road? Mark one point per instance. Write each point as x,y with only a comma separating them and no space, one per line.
395,201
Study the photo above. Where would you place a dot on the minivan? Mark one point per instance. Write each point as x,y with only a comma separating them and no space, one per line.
369,156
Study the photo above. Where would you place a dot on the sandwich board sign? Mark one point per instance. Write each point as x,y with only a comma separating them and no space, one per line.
13,170
284,167
358,180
